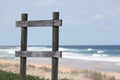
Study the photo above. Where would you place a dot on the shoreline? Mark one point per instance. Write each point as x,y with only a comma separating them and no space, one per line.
66,67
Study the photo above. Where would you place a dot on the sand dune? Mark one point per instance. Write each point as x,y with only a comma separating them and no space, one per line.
44,70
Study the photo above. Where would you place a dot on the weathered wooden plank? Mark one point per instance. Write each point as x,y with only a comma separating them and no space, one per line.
55,47
23,60
38,54
38,23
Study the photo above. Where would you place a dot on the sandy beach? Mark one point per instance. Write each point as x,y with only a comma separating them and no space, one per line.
68,68
80,64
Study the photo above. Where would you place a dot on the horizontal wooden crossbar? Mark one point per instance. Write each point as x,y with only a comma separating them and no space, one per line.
56,54
39,23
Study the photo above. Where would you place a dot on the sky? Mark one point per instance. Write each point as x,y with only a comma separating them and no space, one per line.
85,22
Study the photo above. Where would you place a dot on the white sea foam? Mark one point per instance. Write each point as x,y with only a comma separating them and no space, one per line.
100,51
68,53
104,57
89,49
39,49
63,49
10,51
99,55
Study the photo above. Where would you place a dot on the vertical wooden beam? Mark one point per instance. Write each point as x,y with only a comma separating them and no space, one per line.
23,60
55,45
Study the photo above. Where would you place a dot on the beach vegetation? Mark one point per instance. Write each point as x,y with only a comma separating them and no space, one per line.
112,78
94,75
75,72
11,72
66,79
45,69
13,76
4,75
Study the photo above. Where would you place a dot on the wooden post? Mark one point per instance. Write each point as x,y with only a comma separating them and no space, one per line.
55,45
55,23
23,48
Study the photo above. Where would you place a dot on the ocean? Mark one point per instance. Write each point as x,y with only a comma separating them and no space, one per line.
110,53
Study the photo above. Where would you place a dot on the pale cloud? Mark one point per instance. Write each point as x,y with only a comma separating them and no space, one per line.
106,26
117,11
85,11
107,13
44,3
98,17
73,22
113,12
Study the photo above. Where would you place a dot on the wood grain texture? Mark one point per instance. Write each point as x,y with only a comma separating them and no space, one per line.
55,47
23,47
56,54
39,23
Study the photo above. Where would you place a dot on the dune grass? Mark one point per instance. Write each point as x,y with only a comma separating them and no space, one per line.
10,71
4,75
13,76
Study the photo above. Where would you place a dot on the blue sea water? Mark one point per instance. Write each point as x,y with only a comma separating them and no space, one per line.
93,52
109,53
